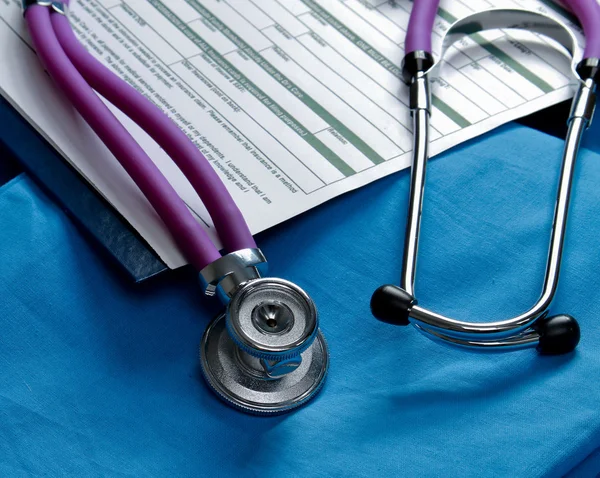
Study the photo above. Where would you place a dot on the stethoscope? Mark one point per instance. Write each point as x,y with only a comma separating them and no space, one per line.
397,305
265,354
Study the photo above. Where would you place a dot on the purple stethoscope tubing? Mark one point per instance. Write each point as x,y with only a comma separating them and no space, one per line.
588,14
420,26
78,74
422,18
224,212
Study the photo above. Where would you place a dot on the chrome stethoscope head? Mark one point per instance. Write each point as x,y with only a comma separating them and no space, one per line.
265,354
398,305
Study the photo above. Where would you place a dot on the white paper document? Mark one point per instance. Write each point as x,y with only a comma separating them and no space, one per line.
292,101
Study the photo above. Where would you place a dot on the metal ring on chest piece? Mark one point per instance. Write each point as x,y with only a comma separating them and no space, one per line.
265,355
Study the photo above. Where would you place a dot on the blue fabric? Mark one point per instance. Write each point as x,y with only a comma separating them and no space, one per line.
588,467
591,140
99,377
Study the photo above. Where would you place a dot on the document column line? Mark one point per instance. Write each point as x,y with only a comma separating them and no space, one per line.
368,22
502,56
233,127
283,115
381,59
315,106
343,79
335,94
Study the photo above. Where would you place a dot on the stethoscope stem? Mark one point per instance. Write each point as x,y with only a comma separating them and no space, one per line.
420,115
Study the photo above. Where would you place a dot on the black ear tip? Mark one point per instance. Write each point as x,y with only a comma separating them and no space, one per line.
559,334
391,304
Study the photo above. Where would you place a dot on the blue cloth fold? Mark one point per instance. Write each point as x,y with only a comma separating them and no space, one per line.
99,377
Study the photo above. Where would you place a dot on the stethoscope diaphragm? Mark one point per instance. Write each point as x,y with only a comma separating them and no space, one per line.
245,382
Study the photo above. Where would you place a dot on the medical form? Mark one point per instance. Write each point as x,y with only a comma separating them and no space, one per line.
293,102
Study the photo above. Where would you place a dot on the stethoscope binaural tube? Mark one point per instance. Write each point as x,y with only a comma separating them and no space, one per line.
398,305
266,353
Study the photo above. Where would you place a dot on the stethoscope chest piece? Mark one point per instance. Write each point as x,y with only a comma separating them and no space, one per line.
265,354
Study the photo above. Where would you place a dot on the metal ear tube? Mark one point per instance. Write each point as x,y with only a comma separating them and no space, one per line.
397,305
